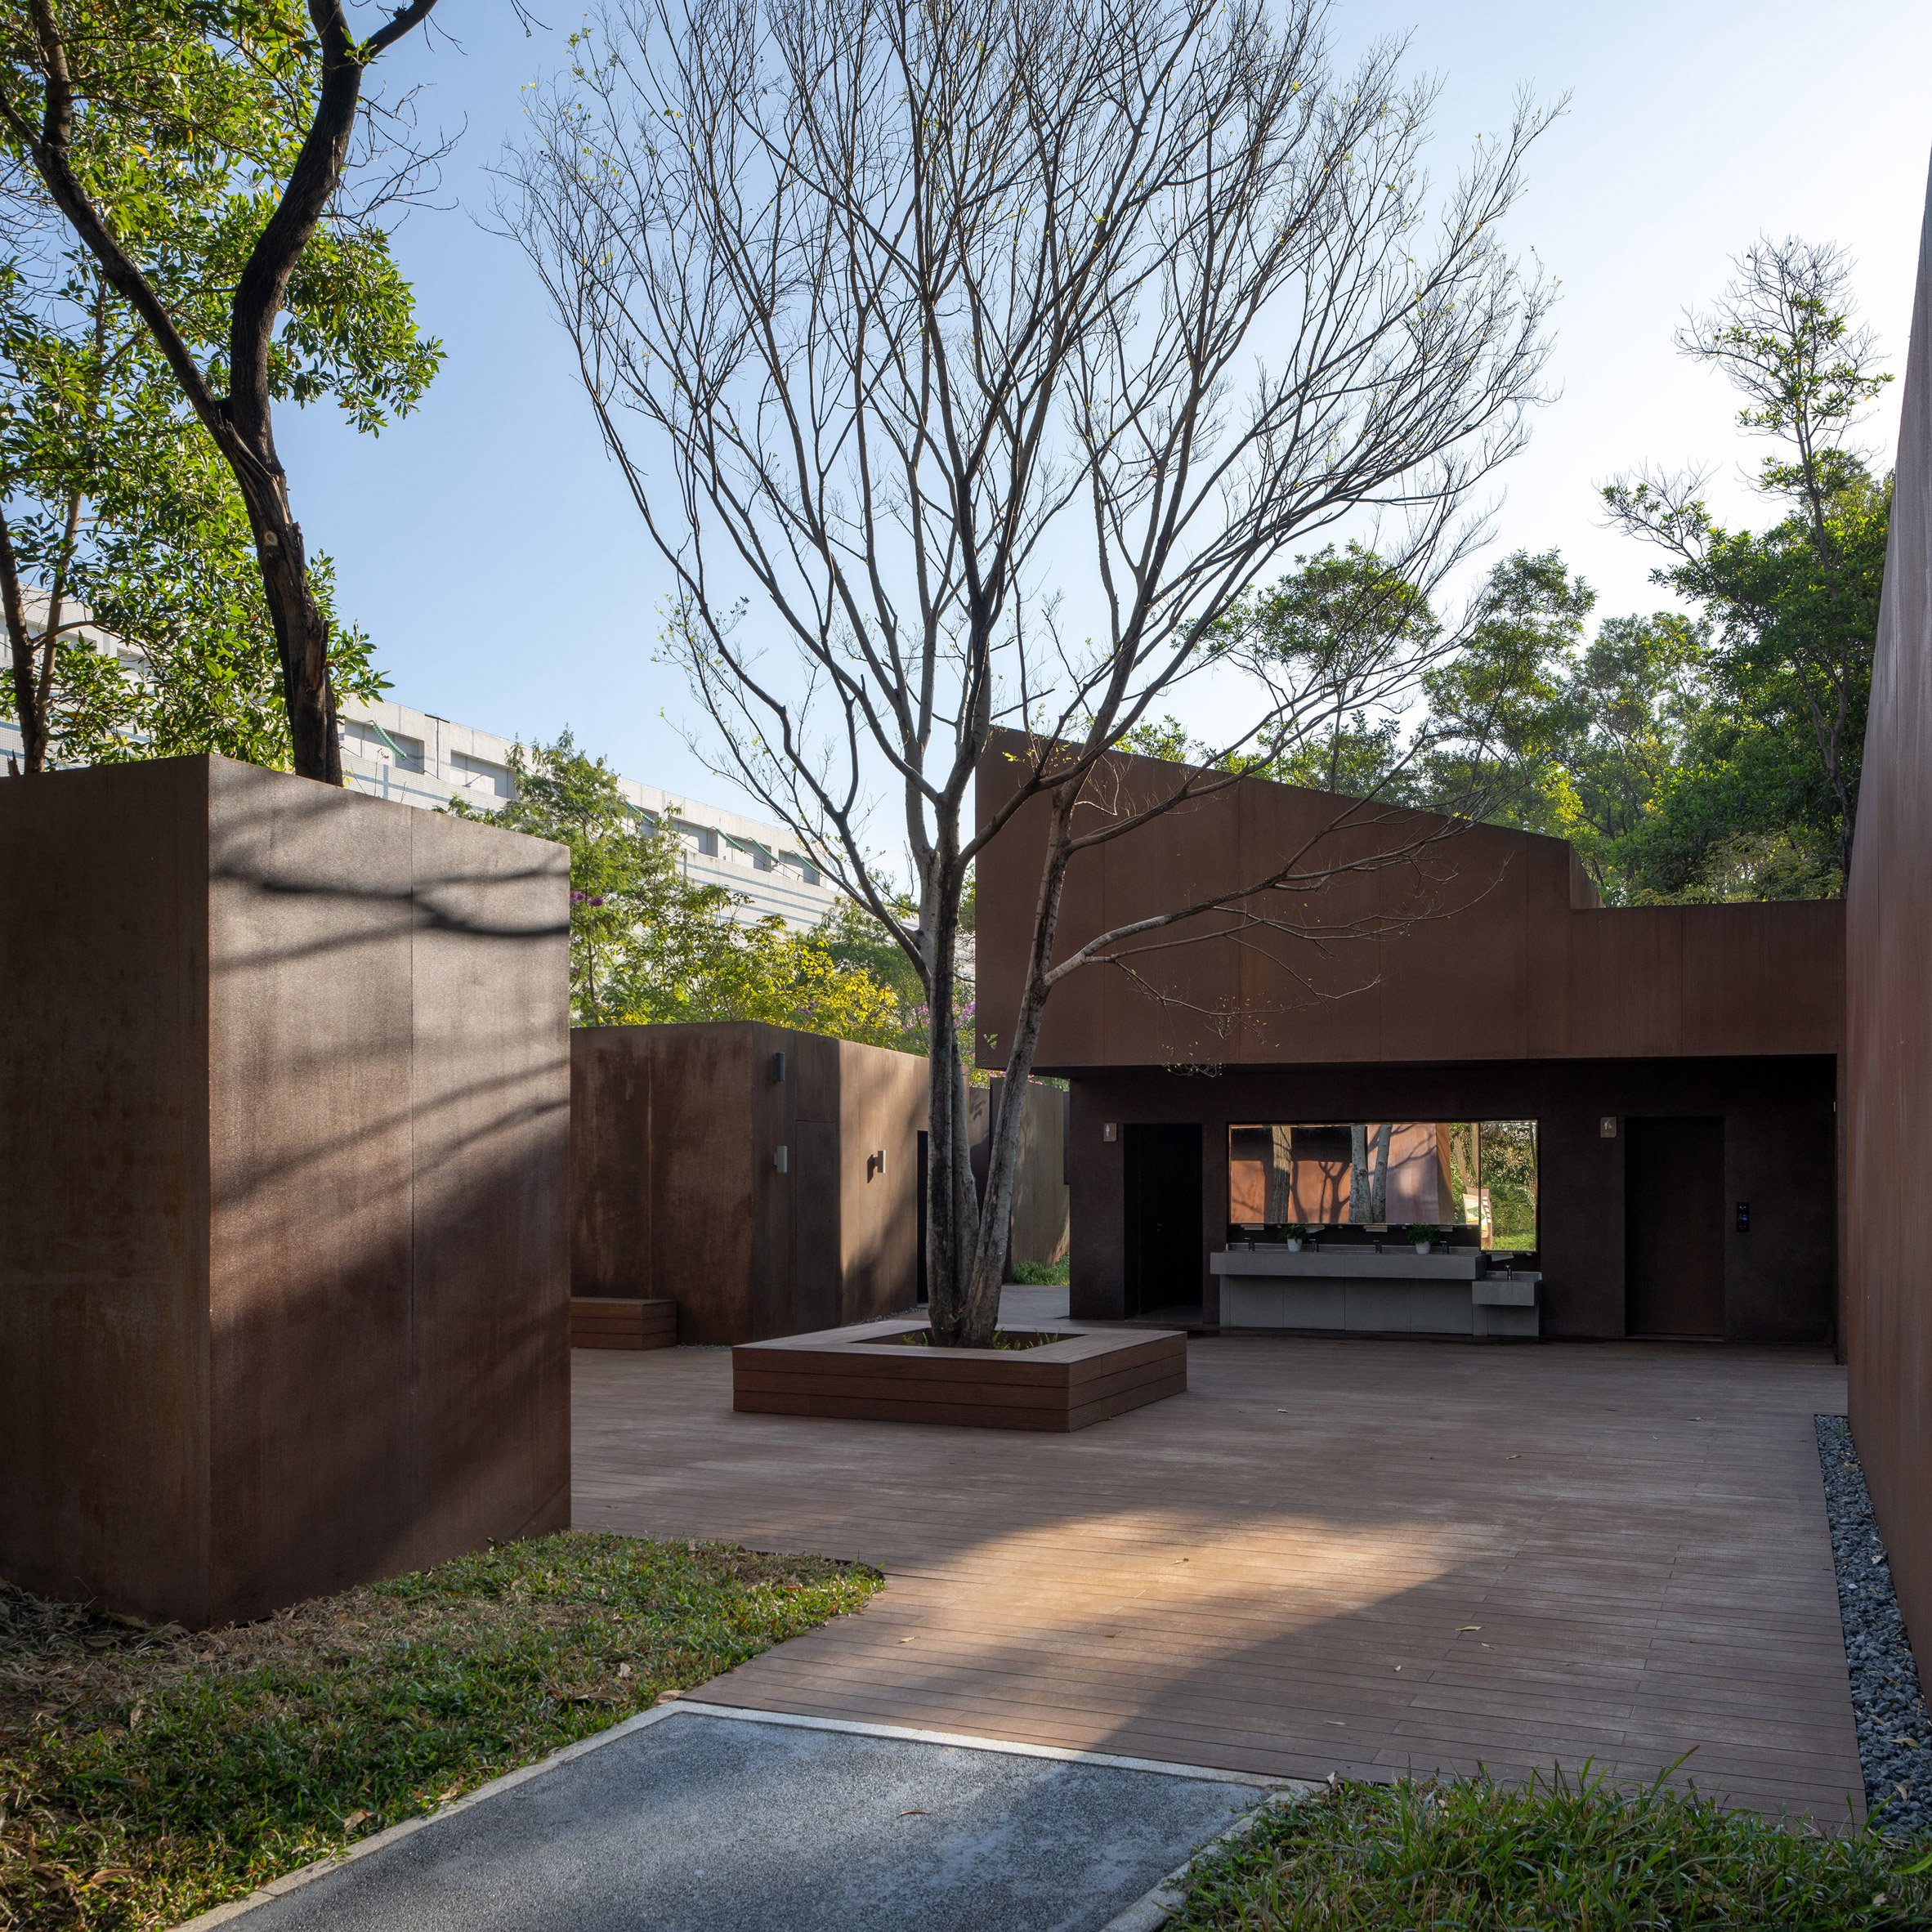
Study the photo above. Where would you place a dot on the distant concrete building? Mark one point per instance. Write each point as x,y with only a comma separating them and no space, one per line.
417,758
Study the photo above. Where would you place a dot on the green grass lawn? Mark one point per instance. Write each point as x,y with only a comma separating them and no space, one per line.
147,1774
1560,1857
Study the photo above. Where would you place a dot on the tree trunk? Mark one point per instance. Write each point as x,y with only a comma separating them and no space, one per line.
973,1313
952,1196
301,631
26,690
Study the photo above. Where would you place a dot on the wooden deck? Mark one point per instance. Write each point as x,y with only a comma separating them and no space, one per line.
1356,1556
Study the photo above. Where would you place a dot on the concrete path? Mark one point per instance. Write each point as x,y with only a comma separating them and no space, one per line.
693,1821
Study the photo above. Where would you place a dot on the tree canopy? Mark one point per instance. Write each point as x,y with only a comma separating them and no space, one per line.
193,209
648,943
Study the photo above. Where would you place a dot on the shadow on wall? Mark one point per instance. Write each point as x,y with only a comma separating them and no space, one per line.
285,1305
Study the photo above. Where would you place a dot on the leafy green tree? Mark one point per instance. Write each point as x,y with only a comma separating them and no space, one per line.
1339,645
1793,609
117,512
647,943
198,152
1490,726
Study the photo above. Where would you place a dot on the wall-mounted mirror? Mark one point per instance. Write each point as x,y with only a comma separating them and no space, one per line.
1478,1174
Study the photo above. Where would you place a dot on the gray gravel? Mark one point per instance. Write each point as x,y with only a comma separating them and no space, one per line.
700,1823
1895,1730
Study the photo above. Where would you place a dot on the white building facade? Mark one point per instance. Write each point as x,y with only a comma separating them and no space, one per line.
417,758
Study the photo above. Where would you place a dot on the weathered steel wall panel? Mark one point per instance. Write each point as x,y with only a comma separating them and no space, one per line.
1485,943
1888,1107
676,1190
370,1034
104,1291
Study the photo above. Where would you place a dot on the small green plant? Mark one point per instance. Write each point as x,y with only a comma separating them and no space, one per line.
1418,1231
1044,1274
1295,1232
1559,1854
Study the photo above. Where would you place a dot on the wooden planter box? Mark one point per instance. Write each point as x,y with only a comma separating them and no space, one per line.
864,1372
622,1322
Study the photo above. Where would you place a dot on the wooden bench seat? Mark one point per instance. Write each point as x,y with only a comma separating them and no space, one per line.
622,1322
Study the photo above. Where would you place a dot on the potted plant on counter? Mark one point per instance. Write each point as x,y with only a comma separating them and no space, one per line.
1424,1237
1294,1234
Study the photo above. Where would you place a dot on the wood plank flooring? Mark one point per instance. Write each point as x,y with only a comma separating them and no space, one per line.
1356,1556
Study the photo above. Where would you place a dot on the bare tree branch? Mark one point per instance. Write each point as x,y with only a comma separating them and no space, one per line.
911,324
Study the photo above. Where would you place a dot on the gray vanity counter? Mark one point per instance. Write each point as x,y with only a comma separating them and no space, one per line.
1396,1291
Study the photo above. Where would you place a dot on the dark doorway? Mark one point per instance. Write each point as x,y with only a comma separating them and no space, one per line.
1163,1201
1673,1226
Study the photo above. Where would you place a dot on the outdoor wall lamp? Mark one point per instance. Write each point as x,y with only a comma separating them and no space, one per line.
875,1164
781,1158
778,1069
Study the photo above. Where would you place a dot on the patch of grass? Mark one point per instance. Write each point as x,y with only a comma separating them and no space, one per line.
147,1774
1561,1855
1045,1274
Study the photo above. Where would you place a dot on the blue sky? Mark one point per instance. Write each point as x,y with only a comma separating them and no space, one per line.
487,545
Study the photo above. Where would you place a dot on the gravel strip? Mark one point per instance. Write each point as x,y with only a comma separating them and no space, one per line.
1895,1730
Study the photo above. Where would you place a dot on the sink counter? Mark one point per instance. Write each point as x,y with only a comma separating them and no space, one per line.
1355,1289
1353,1264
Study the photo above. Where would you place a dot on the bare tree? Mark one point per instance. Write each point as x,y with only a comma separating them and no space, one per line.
913,324
186,77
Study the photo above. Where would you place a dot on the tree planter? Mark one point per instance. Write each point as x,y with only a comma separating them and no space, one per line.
867,1373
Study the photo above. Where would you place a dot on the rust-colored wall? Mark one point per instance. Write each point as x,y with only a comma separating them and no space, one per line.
882,1109
675,1192
1500,951
1041,1206
1777,1155
1888,1072
284,1296
104,1159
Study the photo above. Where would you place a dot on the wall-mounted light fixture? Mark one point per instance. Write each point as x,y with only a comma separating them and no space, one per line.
875,1164
778,1069
781,1158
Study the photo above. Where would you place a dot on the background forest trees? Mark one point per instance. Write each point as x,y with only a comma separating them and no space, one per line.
1706,754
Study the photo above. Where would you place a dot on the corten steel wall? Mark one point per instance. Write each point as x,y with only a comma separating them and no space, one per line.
675,1192
1778,1156
1888,1070
282,1141
1498,948
1041,1207
1497,987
